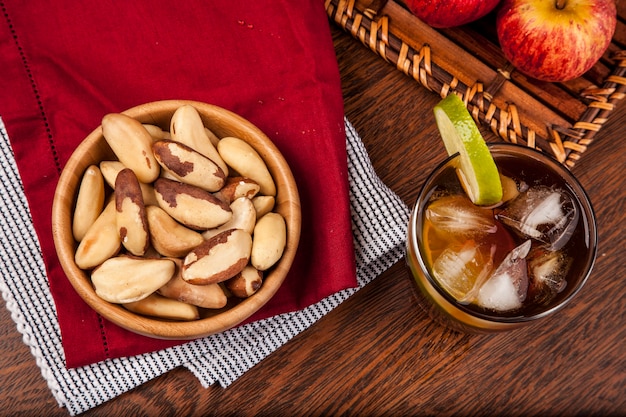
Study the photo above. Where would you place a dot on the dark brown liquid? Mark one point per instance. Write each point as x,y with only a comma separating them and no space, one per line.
533,173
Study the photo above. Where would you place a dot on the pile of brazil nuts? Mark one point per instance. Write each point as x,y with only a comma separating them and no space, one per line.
181,220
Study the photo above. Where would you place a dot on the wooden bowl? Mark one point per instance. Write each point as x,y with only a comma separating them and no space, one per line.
94,149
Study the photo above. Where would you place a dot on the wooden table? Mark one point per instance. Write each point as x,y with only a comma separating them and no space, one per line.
378,353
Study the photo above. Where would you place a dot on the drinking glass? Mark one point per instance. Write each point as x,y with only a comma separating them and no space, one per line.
531,168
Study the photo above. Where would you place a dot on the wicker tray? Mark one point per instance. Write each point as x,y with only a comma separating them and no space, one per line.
559,118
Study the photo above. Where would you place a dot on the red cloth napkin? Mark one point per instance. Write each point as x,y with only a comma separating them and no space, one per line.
65,64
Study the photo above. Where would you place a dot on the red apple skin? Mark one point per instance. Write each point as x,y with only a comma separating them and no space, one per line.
450,13
552,44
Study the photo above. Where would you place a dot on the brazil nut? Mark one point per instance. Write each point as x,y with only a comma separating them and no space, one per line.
124,279
101,240
244,218
245,283
169,237
132,144
218,258
235,187
263,204
270,237
89,202
131,219
190,205
244,159
188,166
187,127
205,296
156,305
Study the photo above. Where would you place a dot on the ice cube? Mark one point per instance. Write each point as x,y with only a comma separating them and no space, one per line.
548,272
456,214
458,268
546,214
506,289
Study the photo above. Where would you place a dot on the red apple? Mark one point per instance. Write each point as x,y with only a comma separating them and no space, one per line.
555,40
450,13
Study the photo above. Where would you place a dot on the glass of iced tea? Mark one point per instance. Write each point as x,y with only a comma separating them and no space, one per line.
484,269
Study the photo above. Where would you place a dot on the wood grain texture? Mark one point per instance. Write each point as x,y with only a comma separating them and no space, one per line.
378,353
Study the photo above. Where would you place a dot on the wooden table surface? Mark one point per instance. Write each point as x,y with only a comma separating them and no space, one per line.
378,353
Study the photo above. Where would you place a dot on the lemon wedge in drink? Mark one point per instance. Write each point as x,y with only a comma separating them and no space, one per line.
477,170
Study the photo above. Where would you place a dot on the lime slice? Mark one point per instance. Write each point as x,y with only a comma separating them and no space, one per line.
477,170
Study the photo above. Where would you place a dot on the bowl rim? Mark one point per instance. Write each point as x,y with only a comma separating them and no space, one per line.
287,202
